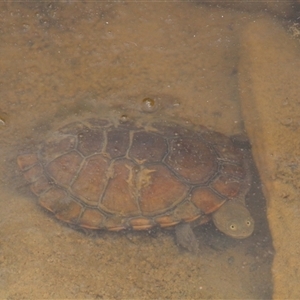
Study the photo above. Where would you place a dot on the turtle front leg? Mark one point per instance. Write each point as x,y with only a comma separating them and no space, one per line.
186,238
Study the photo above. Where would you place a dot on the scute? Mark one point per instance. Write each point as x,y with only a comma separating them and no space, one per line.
160,190
101,175
56,146
117,142
90,141
90,182
148,147
120,196
192,159
206,199
64,168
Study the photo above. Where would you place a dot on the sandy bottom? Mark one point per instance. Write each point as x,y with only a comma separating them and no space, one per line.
66,60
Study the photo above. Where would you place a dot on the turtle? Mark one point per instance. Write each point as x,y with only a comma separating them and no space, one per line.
106,175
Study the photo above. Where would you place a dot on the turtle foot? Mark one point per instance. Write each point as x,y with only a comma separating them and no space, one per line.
186,238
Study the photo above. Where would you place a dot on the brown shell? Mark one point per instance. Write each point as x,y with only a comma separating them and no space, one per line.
101,176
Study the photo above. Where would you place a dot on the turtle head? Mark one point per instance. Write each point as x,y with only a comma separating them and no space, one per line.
234,219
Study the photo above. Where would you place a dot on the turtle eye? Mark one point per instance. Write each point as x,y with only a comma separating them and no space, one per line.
232,227
248,223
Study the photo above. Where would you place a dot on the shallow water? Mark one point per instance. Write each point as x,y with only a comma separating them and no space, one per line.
63,61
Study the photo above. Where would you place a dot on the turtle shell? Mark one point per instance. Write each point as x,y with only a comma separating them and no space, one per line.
99,175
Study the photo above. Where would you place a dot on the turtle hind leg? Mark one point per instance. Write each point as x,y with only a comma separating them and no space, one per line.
186,238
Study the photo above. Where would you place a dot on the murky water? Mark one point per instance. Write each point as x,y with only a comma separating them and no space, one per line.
61,61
